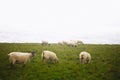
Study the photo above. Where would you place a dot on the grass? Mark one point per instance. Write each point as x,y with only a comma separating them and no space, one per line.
105,63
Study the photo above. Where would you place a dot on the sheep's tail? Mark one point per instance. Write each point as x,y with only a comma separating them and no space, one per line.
42,57
10,54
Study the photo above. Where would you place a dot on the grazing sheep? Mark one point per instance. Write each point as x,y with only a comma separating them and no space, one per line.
72,43
60,43
84,57
79,42
49,56
20,57
64,42
45,43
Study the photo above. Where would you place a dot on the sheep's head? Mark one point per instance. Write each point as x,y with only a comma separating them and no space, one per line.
33,53
57,60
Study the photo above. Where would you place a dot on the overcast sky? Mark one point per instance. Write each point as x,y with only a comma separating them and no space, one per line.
92,21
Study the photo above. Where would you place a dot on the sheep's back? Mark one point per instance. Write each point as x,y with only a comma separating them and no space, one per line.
49,54
84,54
19,56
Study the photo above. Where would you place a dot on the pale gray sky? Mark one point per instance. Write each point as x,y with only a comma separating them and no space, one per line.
92,21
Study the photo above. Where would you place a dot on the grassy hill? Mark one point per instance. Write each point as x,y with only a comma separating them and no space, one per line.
105,63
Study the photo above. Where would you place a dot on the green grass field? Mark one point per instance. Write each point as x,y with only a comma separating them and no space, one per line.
105,63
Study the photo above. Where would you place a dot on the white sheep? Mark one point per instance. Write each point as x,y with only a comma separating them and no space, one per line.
60,43
72,43
49,56
45,43
20,57
64,42
79,42
84,57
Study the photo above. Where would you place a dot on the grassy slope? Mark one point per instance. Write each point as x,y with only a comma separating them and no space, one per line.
105,63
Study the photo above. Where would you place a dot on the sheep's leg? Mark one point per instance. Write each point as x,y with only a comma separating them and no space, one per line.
11,65
47,60
87,60
82,61
23,65
25,62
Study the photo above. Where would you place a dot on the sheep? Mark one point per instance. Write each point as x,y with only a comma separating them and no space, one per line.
79,42
45,43
72,43
60,43
49,56
64,42
20,57
84,57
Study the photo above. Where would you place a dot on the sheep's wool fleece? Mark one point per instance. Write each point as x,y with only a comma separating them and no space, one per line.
85,55
49,54
20,56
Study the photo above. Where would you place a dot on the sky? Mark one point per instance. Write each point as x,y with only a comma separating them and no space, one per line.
91,21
